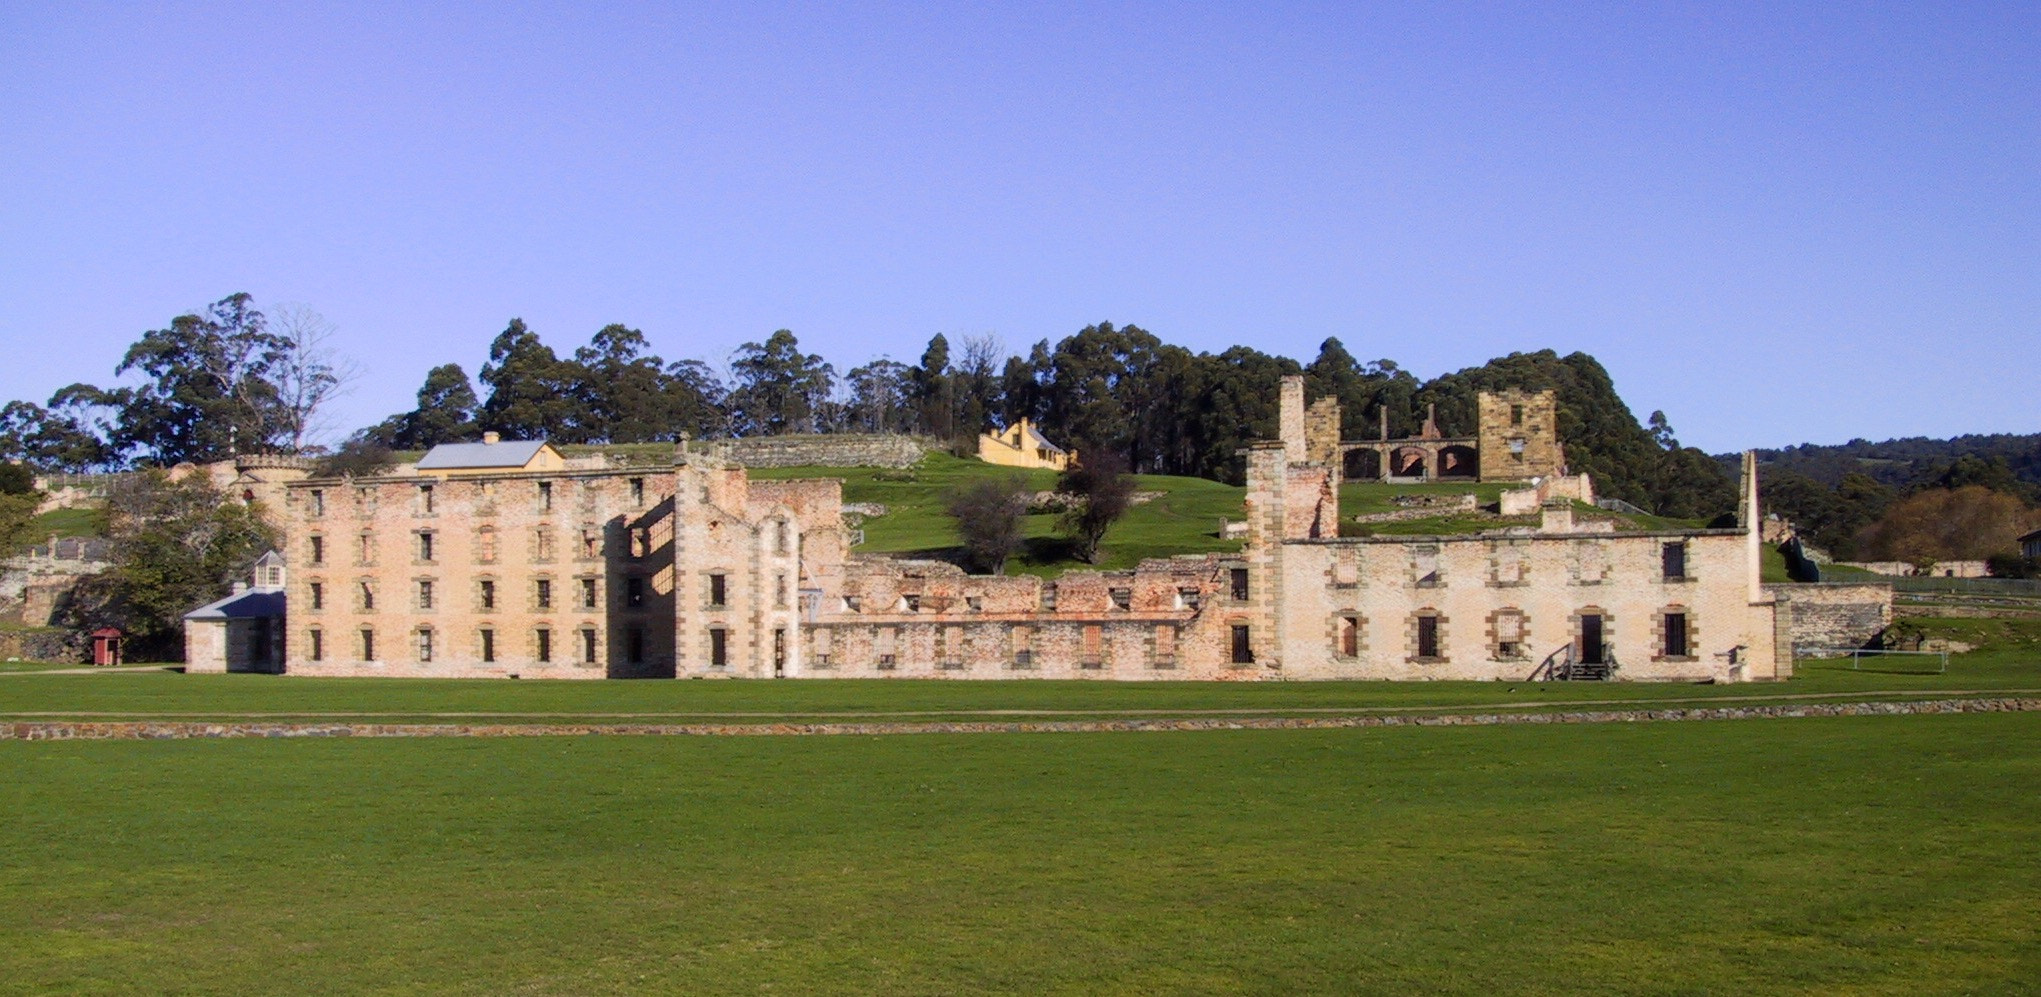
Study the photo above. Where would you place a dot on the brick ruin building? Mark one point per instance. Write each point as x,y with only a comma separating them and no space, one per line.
1517,439
695,569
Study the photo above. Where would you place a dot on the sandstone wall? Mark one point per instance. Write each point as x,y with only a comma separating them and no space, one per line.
1519,435
600,542
843,450
1481,589
1833,614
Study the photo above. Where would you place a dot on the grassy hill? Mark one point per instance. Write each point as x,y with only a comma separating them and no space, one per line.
1182,519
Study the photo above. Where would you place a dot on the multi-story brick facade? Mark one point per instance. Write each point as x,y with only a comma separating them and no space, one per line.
698,570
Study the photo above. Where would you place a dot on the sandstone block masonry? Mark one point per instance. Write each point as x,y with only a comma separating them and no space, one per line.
1519,435
1833,615
846,450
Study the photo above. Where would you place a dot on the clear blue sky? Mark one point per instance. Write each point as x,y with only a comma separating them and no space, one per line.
1778,223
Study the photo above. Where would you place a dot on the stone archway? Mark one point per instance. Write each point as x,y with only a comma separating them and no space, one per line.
1409,462
1459,462
1362,464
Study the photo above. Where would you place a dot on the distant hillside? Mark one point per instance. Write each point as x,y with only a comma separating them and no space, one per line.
1916,461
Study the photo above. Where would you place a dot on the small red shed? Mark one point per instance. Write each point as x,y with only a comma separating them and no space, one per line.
106,646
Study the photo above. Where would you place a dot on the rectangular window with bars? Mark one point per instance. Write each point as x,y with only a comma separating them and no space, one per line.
1676,645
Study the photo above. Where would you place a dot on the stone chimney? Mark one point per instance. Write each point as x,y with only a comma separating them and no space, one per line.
492,436
1290,417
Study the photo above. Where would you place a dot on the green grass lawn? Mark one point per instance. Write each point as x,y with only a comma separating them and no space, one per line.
2008,658
1183,520
89,522
1887,855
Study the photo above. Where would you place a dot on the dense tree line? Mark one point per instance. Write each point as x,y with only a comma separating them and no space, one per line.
231,378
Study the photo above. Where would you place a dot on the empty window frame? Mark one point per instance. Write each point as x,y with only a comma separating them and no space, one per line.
368,595
1346,637
488,645
1676,641
424,639
425,546
318,644
719,590
425,593
588,645
545,496
1428,636
1237,584
318,595
425,500
1424,566
1242,645
543,644
486,594
1673,561
590,595
542,593
1509,635
634,592
1163,654
719,648
318,549
888,648
368,644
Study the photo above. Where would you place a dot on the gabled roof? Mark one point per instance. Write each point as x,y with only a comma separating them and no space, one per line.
504,453
1042,441
252,604
2036,535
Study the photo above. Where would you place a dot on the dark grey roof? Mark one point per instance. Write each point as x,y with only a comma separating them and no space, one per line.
252,604
503,453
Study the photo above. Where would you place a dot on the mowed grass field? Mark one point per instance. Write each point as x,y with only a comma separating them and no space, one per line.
2007,662
1876,855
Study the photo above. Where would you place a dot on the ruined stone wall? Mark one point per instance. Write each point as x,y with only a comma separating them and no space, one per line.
1166,619
600,542
1481,589
737,579
1321,433
1519,435
1833,614
838,450
42,645
1290,417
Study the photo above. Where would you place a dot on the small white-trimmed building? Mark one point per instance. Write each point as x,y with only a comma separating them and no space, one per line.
243,632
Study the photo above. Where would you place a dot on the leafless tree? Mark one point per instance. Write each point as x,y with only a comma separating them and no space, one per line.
309,372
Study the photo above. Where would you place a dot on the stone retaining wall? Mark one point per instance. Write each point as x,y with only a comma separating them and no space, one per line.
151,731
41,645
1850,614
844,450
